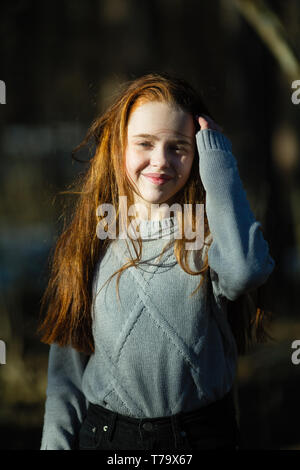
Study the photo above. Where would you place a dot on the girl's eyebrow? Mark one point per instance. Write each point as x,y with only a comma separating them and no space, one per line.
154,137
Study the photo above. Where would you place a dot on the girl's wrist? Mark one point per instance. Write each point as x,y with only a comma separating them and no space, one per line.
211,139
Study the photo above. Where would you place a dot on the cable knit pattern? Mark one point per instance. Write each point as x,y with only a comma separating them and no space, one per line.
159,351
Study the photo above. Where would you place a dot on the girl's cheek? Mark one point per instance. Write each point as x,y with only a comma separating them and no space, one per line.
133,162
140,163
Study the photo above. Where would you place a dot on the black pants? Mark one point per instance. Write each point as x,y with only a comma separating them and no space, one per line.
211,427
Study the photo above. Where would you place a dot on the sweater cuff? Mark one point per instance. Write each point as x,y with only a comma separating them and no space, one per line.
209,139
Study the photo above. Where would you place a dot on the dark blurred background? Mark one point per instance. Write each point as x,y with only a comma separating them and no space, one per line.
62,61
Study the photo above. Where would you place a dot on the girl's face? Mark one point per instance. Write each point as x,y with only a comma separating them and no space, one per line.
160,142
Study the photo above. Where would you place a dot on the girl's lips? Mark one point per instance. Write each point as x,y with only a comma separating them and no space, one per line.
157,180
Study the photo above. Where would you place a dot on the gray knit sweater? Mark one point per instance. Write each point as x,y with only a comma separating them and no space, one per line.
159,351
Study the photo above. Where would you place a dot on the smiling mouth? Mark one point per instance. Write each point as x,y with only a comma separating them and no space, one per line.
158,179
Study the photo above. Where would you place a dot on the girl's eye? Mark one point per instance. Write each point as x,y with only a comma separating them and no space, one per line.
176,148
173,148
145,144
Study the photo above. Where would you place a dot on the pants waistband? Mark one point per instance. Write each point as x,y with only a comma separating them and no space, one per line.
210,410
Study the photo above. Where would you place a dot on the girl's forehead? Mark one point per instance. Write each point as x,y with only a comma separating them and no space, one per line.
158,117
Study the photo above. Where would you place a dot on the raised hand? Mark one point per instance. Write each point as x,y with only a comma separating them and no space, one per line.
205,122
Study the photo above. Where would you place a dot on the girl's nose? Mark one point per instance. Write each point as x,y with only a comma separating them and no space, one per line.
160,158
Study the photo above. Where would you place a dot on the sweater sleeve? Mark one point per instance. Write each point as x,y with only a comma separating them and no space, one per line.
238,257
66,405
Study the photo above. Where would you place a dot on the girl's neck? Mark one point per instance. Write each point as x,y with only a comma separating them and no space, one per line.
157,228
153,213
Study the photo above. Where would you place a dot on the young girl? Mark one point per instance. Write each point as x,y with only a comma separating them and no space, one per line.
147,359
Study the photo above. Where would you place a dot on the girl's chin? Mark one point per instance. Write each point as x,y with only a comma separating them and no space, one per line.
155,200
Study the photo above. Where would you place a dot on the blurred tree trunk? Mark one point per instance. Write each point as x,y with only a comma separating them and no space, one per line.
271,31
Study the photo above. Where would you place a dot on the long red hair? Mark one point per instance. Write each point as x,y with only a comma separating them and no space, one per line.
68,296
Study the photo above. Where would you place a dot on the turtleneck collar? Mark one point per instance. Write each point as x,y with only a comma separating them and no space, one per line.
154,229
